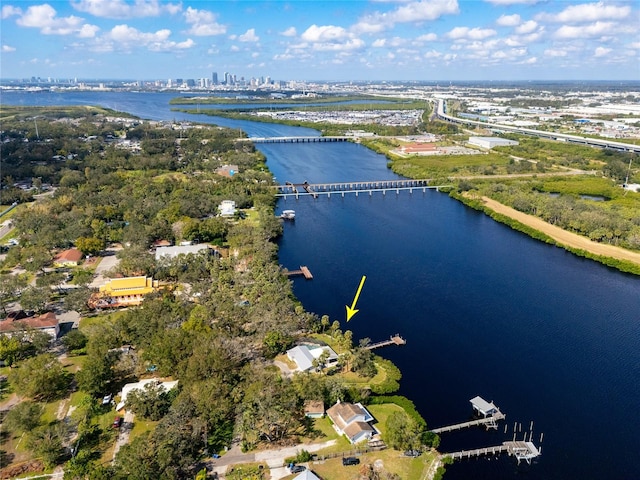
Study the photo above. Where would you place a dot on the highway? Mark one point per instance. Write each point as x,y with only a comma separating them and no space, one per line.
560,137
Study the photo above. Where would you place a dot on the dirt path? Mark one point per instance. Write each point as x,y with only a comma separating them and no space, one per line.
562,236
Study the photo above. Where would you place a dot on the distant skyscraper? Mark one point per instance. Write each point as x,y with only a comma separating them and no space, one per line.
214,78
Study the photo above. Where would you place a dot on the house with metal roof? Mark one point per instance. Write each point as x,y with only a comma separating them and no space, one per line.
305,355
126,291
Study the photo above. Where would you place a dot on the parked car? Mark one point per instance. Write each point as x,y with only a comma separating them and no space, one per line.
106,400
412,453
350,461
297,468
117,422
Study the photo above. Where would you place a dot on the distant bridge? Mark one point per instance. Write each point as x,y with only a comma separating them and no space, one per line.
316,189
307,139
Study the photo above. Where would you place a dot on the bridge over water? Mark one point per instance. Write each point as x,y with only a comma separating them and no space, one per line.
301,139
316,189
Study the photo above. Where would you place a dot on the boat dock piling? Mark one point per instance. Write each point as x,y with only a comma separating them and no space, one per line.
521,450
304,271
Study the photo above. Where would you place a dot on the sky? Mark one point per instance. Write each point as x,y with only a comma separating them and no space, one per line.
307,40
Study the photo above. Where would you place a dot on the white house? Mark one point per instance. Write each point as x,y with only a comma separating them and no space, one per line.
304,356
172,252
129,387
352,420
227,208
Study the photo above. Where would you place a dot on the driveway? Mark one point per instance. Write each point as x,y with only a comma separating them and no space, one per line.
273,458
107,262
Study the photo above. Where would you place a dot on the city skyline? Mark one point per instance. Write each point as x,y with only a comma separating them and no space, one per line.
310,40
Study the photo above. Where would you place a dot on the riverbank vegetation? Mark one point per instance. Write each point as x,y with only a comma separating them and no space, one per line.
215,324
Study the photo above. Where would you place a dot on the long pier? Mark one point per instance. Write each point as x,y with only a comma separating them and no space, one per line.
393,340
522,450
488,422
316,189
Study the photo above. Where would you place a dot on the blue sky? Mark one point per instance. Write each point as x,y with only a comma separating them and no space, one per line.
322,40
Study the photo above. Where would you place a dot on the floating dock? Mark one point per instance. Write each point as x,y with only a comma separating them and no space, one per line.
393,340
304,271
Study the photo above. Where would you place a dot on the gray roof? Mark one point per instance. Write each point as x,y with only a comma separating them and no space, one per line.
483,406
306,475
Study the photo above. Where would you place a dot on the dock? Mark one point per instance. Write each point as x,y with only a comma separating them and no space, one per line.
488,422
490,416
393,340
304,271
521,450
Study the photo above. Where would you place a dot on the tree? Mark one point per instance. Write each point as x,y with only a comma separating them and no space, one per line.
41,377
402,432
150,403
90,245
46,442
77,299
11,349
34,299
10,287
276,342
75,340
24,417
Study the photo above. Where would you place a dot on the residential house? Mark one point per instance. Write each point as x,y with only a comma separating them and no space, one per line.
227,170
68,258
227,208
306,475
314,408
169,253
304,356
129,387
352,420
19,322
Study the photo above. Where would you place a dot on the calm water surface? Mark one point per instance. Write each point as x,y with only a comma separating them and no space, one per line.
550,337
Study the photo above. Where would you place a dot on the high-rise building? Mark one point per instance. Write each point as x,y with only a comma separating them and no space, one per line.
214,78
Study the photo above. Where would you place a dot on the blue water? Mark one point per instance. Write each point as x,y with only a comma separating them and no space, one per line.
550,337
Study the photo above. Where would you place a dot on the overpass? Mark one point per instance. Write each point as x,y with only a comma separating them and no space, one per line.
560,137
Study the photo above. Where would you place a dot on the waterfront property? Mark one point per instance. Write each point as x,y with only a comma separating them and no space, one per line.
352,420
306,357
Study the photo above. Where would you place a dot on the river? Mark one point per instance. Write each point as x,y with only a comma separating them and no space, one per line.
550,337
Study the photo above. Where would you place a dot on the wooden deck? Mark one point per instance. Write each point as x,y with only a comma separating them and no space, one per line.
304,271
520,449
489,422
393,340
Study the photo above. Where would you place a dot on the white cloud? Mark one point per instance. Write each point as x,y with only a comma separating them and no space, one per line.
587,12
596,29
427,37
634,45
432,54
602,52
512,2
9,11
530,61
289,32
552,52
122,10
326,33
88,31
45,18
380,42
466,33
526,27
509,20
249,36
203,23
351,44
7,49
124,37
409,12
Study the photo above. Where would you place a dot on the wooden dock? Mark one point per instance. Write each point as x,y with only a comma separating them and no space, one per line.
521,450
393,340
304,271
488,422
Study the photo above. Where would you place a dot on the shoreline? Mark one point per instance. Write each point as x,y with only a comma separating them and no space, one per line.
572,242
